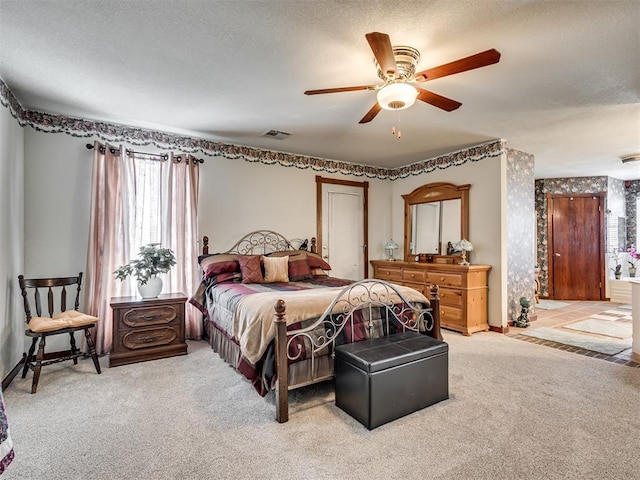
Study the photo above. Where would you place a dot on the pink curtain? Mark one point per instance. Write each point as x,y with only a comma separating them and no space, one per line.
180,229
112,232
108,245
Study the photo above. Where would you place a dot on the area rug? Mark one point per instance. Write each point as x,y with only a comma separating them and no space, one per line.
550,304
600,345
602,327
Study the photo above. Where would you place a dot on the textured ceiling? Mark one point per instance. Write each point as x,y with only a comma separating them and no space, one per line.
567,88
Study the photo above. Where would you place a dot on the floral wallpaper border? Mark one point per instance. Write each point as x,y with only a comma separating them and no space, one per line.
111,132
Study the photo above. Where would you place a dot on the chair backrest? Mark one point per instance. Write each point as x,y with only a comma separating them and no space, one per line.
54,287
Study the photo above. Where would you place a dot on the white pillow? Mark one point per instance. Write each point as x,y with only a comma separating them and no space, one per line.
276,269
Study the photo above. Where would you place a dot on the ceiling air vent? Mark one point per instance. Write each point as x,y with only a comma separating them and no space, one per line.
276,134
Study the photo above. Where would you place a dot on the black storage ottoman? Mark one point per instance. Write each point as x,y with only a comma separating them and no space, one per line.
386,378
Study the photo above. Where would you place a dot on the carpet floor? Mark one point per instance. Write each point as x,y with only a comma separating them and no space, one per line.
516,410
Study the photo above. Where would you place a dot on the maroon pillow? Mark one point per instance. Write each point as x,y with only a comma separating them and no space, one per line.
251,268
299,267
213,265
316,261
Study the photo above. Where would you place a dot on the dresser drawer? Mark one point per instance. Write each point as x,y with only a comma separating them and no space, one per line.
385,273
451,297
148,337
153,315
413,275
445,279
450,316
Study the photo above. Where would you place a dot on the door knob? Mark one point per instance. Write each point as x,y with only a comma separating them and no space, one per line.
556,254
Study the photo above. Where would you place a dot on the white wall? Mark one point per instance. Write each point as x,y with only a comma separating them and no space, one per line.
237,197
486,219
12,321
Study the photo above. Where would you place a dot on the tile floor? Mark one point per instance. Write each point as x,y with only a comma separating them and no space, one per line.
576,310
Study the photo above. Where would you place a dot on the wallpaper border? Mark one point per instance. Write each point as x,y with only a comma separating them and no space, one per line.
111,132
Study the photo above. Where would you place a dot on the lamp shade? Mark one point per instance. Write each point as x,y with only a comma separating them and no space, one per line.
465,245
397,96
391,245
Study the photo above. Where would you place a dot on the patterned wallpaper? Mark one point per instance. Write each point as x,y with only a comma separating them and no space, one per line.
557,186
632,191
520,230
111,132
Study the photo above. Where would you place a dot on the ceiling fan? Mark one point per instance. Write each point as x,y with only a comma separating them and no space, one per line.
396,67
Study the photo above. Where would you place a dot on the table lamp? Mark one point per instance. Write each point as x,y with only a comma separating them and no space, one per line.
391,247
464,246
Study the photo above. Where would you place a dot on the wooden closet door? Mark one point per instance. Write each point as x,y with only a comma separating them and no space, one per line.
576,247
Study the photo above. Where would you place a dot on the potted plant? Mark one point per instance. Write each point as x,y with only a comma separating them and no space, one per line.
151,261
633,254
617,271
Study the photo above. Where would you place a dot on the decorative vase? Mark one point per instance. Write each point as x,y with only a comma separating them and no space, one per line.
152,288
632,271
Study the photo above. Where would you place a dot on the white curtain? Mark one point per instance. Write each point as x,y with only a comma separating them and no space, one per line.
139,199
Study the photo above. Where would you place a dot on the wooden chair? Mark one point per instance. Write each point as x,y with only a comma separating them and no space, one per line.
67,321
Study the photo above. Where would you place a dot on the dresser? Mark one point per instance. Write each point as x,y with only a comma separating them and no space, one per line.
463,289
147,329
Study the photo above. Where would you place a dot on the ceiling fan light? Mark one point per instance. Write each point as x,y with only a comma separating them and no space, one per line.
397,96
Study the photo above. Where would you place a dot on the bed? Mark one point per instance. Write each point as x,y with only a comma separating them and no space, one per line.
276,314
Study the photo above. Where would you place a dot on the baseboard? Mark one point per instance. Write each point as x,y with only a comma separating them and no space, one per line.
6,381
505,330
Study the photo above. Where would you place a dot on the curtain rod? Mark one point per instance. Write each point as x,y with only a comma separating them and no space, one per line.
163,156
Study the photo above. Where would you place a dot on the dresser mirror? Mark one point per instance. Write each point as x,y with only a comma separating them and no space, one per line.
435,215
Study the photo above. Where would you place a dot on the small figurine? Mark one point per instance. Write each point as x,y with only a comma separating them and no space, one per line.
304,245
523,318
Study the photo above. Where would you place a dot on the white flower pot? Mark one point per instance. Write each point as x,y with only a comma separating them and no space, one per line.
151,289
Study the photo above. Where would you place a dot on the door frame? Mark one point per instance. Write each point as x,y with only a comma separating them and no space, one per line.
603,240
365,213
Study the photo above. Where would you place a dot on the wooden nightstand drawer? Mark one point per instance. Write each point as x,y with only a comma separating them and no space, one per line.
449,296
153,315
444,279
411,275
148,337
147,329
392,274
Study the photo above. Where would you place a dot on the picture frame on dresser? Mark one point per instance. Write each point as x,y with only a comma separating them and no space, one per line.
147,329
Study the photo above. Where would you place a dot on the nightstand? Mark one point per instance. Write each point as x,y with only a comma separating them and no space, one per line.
147,329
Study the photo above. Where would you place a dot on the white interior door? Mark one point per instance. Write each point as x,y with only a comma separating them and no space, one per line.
343,230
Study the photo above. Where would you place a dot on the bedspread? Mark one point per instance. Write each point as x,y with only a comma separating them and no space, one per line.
254,317
6,444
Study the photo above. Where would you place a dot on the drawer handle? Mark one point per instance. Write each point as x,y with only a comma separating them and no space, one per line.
442,279
150,317
149,339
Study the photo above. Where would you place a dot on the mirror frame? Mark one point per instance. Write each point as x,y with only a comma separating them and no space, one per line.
435,192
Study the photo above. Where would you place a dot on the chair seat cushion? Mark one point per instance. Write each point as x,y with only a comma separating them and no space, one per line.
67,319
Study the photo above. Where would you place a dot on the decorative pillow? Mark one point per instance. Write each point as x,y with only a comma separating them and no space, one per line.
316,261
219,263
251,268
276,269
299,267
317,272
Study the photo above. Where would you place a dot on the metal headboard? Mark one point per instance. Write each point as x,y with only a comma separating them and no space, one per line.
261,242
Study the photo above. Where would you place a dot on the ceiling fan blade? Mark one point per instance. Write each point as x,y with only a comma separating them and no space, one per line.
340,89
437,100
482,59
371,114
382,50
